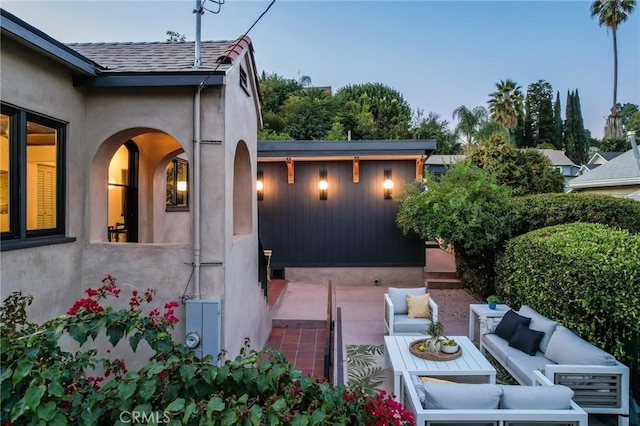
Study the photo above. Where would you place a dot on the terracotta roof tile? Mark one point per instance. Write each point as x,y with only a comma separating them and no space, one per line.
162,56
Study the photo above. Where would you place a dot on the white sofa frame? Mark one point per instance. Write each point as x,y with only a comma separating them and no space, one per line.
599,389
574,415
389,316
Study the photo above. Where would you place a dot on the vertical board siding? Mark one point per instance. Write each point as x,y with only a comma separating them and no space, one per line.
355,226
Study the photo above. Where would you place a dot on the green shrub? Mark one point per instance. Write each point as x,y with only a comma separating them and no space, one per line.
43,384
466,208
586,276
538,211
525,171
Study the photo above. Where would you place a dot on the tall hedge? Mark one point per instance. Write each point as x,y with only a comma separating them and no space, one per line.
586,276
538,211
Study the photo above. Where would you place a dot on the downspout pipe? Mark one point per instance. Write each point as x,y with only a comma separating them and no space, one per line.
196,190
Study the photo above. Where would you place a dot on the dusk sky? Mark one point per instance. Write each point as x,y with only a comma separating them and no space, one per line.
438,55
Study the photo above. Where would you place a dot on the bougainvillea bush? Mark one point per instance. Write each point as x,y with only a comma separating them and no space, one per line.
42,383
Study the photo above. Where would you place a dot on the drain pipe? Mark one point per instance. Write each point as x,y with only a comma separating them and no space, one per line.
196,191
196,157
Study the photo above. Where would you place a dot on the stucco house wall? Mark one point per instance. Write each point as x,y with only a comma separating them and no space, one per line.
160,121
38,84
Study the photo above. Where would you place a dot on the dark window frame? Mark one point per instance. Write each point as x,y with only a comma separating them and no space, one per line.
173,206
244,81
18,236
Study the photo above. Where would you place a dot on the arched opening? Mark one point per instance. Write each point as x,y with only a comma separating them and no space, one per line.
242,191
122,202
130,187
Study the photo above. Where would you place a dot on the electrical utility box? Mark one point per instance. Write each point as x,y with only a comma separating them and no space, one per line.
203,331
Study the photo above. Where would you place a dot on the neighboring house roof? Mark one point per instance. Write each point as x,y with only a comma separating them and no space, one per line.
603,157
443,159
162,56
634,195
558,157
621,171
327,150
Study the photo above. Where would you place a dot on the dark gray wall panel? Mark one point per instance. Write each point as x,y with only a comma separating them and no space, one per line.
355,226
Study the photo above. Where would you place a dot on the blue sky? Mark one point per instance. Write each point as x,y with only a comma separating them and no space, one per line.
438,54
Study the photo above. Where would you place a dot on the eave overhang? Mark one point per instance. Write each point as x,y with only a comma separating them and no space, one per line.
156,79
604,183
23,33
270,151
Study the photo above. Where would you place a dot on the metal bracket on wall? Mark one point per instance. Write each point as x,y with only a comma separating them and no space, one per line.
290,179
210,142
420,167
356,169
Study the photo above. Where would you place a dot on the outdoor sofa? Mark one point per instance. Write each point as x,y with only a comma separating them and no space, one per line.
396,312
537,343
457,404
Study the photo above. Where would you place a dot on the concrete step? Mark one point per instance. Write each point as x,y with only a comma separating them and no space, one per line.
440,275
442,283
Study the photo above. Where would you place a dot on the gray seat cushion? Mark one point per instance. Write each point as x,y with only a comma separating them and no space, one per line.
566,347
523,365
539,323
404,324
556,397
398,297
462,396
499,346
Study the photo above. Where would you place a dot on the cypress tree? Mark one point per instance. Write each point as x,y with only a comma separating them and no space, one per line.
582,144
569,138
558,128
545,116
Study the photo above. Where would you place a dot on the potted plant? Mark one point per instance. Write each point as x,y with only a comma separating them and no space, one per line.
435,331
449,346
492,301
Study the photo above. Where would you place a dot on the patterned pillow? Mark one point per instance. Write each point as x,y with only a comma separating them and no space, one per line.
418,306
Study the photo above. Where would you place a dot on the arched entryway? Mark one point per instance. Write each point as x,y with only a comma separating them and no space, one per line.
139,189
122,201
242,191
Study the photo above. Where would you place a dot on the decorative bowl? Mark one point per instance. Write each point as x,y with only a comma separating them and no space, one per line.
449,349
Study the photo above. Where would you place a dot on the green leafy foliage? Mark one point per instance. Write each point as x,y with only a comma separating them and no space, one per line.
587,276
539,211
466,209
525,171
41,383
614,145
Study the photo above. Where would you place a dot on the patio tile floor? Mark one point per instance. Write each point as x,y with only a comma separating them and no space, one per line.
303,347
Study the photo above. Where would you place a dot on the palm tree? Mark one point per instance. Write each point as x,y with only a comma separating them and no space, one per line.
612,13
469,121
506,104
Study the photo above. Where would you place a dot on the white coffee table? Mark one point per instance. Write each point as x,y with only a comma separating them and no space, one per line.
482,311
471,366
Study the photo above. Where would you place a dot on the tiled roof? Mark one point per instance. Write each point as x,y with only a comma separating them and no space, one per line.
557,157
162,56
622,170
444,159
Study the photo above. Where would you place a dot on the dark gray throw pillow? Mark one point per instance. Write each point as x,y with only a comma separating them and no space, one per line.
526,339
509,323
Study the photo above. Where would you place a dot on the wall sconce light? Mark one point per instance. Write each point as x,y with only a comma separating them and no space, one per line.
260,186
323,185
387,184
182,185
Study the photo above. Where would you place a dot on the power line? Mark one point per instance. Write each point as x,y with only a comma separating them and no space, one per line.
237,41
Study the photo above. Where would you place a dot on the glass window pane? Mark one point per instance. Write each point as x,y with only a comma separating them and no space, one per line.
170,179
4,173
41,176
181,184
